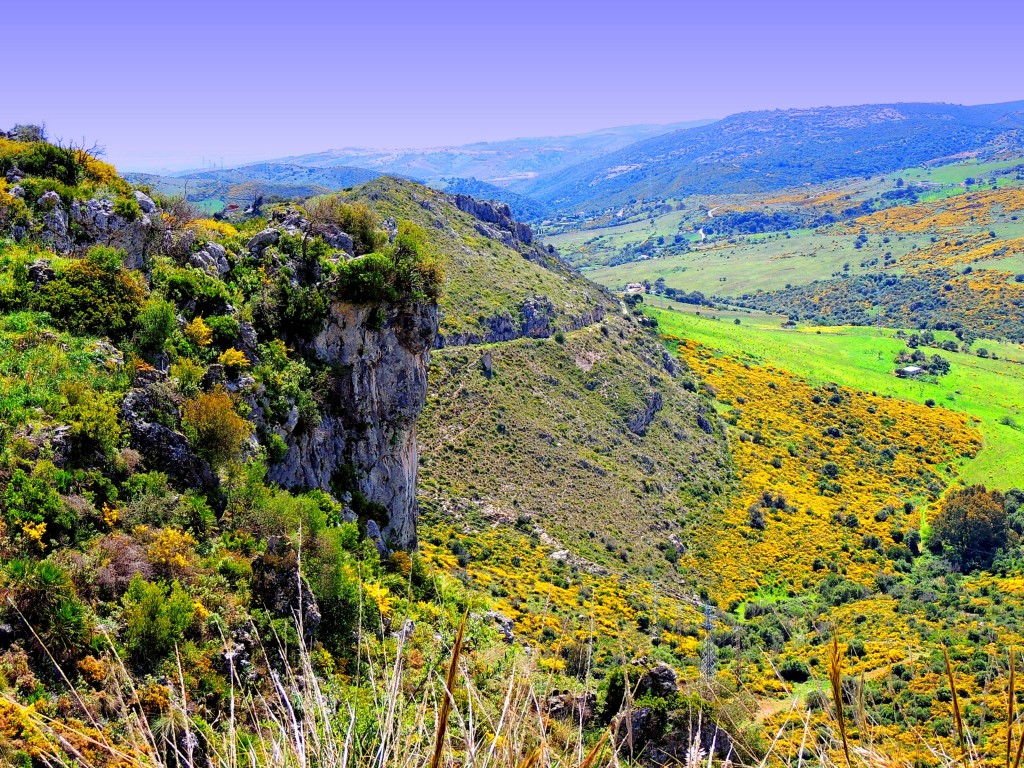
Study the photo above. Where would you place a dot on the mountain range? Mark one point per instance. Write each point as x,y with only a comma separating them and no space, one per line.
746,152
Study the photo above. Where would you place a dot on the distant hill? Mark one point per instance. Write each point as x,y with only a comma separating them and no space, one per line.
503,163
760,151
239,185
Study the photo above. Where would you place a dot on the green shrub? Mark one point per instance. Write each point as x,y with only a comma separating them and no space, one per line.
405,271
794,671
156,617
32,500
214,427
157,321
225,330
94,295
127,208
187,286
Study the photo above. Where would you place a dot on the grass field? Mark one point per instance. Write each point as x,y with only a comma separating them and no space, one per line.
765,262
990,391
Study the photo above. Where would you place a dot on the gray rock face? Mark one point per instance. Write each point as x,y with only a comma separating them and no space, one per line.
342,241
212,259
537,320
55,222
577,707
659,681
101,225
505,228
165,449
145,202
641,421
378,391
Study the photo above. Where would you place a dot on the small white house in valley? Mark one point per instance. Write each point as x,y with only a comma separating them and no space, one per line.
909,372
634,288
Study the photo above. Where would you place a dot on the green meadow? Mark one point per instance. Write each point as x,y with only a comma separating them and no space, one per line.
990,391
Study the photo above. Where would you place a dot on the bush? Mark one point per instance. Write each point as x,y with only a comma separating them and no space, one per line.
156,322
794,671
156,617
199,333
127,208
33,506
214,427
94,295
405,271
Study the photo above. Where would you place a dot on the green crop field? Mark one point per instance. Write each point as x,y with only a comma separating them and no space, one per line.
990,391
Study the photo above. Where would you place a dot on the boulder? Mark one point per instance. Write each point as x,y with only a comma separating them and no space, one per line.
504,625
40,272
100,224
565,705
146,204
212,259
660,681
342,241
263,239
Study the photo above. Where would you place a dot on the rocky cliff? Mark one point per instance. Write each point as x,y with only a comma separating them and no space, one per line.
364,448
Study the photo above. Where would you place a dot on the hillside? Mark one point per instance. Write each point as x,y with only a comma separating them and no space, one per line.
210,434
500,282
760,151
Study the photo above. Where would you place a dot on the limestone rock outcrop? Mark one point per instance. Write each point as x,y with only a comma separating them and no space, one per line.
379,357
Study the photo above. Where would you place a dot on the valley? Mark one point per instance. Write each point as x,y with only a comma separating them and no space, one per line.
318,449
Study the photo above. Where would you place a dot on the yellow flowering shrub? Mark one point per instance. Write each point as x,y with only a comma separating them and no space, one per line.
199,333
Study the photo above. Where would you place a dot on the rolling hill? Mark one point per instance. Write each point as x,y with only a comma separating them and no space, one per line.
761,151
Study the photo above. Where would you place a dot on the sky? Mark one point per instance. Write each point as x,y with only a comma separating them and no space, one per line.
174,85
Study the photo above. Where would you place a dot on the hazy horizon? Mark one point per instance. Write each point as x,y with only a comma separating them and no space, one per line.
165,88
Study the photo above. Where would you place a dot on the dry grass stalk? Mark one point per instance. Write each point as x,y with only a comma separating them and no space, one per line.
446,704
957,717
1010,706
835,677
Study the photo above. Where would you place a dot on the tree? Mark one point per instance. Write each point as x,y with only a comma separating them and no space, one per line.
971,527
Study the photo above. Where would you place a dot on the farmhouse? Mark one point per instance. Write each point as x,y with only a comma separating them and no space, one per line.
909,372
635,288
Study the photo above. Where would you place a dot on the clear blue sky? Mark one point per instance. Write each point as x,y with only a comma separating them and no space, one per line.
166,84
